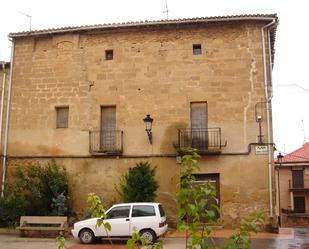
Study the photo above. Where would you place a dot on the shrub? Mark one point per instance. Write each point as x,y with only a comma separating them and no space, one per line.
138,184
37,190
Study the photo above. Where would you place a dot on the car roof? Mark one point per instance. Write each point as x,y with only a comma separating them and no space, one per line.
136,203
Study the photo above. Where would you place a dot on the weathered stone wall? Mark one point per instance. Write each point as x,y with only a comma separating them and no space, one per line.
242,190
153,71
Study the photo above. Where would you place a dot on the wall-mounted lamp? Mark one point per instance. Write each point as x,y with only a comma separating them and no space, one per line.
148,123
260,136
279,158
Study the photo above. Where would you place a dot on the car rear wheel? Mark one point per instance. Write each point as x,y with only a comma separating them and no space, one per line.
149,236
86,236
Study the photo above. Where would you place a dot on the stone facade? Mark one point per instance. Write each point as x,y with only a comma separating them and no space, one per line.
153,71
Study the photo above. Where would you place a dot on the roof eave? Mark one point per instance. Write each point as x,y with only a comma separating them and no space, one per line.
142,24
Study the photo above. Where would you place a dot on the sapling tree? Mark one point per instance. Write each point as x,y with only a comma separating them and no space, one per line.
98,211
196,208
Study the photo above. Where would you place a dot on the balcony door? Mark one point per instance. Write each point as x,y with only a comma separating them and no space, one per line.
299,204
298,178
199,125
108,128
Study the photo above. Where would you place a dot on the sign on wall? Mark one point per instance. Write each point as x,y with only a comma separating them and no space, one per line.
261,149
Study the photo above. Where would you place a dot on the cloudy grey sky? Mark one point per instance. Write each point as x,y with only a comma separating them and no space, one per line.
290,76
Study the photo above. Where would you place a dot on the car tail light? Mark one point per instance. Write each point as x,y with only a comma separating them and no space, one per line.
162,224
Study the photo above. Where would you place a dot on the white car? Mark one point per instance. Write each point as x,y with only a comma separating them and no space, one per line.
148,219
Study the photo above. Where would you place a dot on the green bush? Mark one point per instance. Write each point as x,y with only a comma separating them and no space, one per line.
138,184
37,190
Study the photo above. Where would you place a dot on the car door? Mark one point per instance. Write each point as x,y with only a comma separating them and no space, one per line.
143,216
118,218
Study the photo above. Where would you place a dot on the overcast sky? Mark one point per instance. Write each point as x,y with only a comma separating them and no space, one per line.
290,75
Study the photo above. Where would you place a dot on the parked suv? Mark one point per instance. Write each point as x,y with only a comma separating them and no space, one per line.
146,218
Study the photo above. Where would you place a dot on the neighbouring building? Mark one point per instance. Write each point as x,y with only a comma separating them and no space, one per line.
80,94
292,175
4,78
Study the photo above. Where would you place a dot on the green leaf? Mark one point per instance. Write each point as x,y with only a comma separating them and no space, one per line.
107,226
130,244
99,222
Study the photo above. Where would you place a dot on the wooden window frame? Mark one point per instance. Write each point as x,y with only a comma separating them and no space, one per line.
60,123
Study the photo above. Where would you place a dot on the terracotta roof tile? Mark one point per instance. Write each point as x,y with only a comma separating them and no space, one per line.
297,156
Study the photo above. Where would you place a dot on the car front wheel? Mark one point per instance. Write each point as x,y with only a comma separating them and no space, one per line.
149,236
86,236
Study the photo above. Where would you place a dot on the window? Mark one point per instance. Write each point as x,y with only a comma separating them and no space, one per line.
109,54
197,49
298,178
141,211
199,125
299,204
162,213
108,128
119,212
62,119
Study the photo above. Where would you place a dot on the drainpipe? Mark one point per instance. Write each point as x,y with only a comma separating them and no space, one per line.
268,100
2,102
5,145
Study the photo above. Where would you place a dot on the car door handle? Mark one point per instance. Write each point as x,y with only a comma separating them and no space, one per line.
128,219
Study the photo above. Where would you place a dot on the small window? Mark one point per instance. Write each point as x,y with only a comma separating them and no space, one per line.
141,211
197,49
62,120
119,212
109,54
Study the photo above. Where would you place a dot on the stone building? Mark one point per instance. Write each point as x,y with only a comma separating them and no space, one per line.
292,175
80,94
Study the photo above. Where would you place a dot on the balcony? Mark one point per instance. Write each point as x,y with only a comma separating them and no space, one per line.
204,140
301,186
106,142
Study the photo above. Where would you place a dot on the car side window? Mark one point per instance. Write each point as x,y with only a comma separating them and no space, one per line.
143,210
119,212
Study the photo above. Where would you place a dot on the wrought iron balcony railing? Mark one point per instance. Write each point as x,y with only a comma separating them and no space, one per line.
205,140
302,186
106,142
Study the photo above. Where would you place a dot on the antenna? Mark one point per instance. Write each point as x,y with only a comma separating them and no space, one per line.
304,132
28,16
165,11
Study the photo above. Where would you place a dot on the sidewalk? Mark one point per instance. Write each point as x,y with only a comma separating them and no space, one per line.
10,239
284,233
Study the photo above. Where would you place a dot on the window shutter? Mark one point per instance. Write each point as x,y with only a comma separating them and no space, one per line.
62,117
